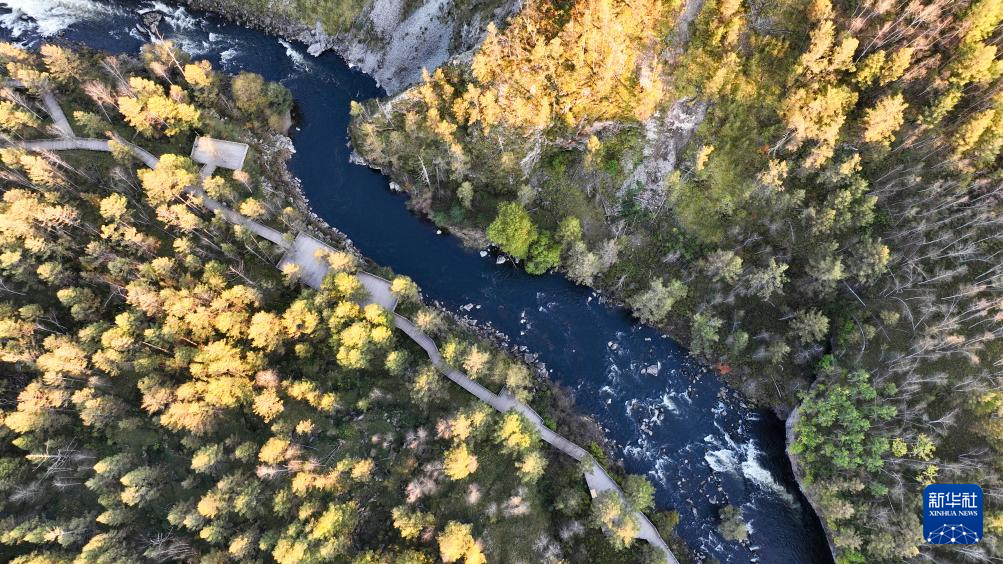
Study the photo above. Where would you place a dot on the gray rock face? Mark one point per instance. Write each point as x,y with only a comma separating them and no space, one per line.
316,40
668,131
665,136
403,46
384,42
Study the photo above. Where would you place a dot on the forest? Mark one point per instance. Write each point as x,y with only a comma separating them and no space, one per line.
169,395
806,192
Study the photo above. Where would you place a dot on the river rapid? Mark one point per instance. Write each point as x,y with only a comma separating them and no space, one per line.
669,416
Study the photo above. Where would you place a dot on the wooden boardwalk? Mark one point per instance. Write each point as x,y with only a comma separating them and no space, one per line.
56,113
78,143
303,252
85,144
596,477
52,107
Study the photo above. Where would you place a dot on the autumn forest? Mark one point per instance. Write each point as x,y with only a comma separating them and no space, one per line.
806,194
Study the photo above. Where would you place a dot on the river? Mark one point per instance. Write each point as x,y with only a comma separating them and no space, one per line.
669,416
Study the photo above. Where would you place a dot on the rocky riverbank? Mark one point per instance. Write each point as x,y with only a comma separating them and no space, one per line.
390,40
675,326
799,477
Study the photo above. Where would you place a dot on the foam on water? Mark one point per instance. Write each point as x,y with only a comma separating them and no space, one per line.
754,471
299,61
177,16
743,460
46,18
637,452
723,460
16,24
192,46
720,408
49,17
661,470
648,415
668,404
226,56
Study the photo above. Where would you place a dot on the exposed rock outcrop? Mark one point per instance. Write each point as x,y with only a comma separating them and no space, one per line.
665,136
390,40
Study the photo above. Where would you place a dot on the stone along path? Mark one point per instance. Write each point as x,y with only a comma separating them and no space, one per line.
307,254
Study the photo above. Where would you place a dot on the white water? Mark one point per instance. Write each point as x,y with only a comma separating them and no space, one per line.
743,460
178,17
299,61
49,17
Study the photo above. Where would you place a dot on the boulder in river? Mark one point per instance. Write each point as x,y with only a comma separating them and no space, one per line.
150,21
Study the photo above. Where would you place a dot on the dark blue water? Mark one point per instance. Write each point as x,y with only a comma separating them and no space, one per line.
670,417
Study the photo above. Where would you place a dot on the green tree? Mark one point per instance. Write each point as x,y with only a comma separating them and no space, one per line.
427,385
652,305
249,92
532,466
639,492
767,281
569,231
465,194
583,265
704,332
544,254
91,124
809,326
723,265
411,523
512,230
840,427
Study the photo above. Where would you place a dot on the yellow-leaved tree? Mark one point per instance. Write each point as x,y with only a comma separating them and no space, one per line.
601,64
456,542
